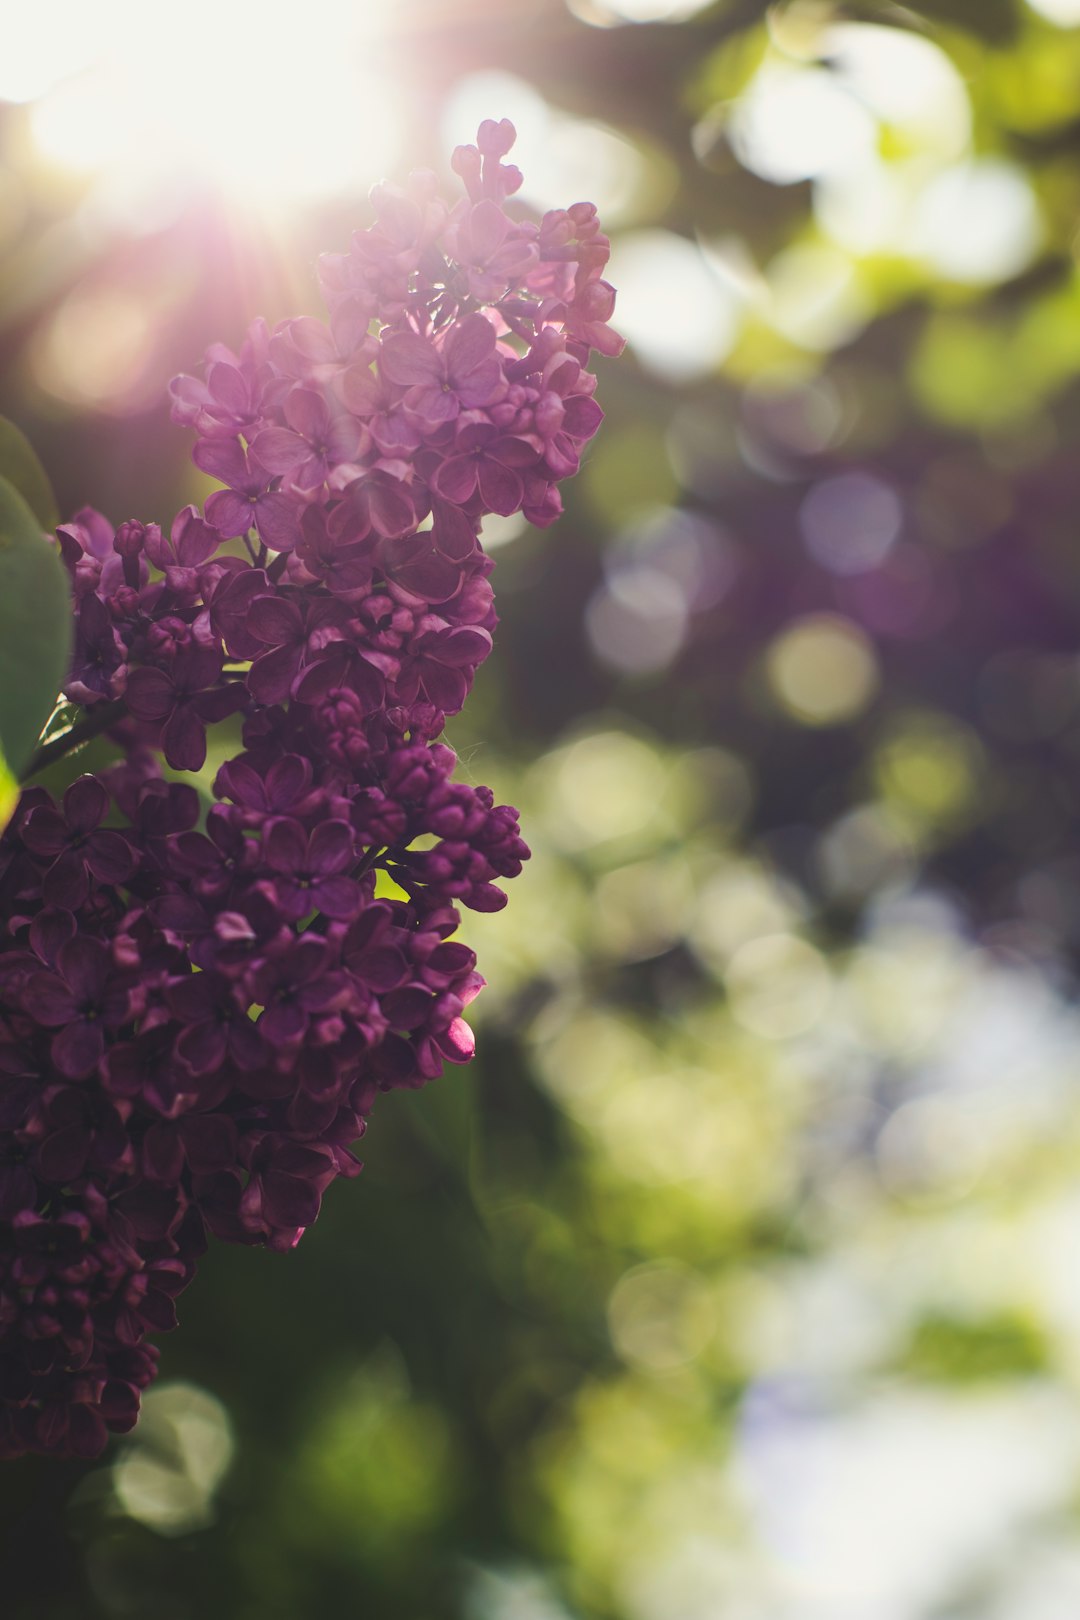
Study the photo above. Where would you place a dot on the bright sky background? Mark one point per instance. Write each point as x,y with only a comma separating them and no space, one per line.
140,94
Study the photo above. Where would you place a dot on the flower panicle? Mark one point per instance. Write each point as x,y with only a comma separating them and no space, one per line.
196,1016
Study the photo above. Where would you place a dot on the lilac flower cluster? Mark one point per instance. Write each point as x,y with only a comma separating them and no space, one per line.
197,1011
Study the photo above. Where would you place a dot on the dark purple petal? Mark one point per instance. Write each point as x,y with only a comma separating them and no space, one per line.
484,897
78,1049
287,779
158,1311
424,572
282,1024
237,781
202,1047
390,507
451,958
270,677
66,883
331,848
464,646
407,1007
285,845
264,1082
513,452
86,1433
48,1000
198,667
337,897
455,480
179,913
288,1201
49,930
193,540
230,513
381,968
194,997
219,702
308,960
210,1141
500,487
447,688
246,1046
274,620
45,831
51,1428
163,1153
17,1190
184,740
110,857
62,1155
85,804
84,963
150,694
276,521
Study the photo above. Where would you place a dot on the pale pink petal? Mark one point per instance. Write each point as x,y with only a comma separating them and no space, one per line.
409,360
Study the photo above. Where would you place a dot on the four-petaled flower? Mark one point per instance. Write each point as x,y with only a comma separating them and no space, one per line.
443,379
310,870
82,999
184,700
81,847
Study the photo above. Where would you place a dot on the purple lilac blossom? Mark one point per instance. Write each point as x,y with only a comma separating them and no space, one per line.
195,1021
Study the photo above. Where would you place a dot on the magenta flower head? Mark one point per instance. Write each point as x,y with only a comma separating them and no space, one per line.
198,1009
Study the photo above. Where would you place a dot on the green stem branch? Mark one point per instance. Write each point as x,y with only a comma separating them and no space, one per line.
97,720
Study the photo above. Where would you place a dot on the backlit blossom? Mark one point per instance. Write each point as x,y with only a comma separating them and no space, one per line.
199,1010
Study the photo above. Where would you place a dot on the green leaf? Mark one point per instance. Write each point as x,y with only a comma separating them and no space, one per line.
9,793
20,466
35,627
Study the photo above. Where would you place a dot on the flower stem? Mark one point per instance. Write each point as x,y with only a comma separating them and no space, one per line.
99,719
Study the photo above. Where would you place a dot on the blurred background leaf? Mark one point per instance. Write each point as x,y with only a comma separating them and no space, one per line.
35,626
21,468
